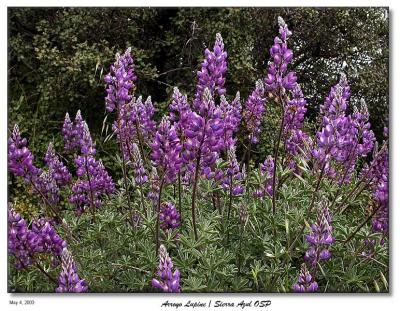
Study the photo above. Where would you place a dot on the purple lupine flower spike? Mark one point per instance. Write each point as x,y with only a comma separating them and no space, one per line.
168,282
266,171
22,242
93,183
295,139
138,168
25,243
60,172
254,112
68,134
377,173
232,178
166,150
231,116
320,238
50,240
20,158
46,185
169,217
120,81
212,72
69,281
281,56
305,283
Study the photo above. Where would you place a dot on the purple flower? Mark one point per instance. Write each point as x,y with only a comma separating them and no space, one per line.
212,73
120,81
51,242
254,112
59,171
69,281
169,217
45,185
320,237
295,140
68,134
154,186
231,116
166,150
134,124
22,242
93,183
168,282
376,175
305,283
266,171
281,56
77,136
232,176
25,243
204,136
20,158
138,168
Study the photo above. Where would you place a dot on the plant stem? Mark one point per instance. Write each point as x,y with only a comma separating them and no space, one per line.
276,156
179,194
158,216
37,265
194,192
361,225
142,200
229,208
310,207
46,201
92,207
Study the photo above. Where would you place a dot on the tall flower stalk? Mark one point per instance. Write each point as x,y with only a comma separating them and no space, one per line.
277,82
165,155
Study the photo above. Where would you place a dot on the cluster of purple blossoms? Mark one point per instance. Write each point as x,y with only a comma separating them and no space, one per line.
50,240
60,172
295,140
305,283
168,282
376,175
138,168
120,81
166,150
134,124
46,186
212,73
178,108
254,112
20,163
93,182
343,138
204,135
231,179
69,281
320,238
266,171
169,217
24,243
77,135
20,158
231,116
277,78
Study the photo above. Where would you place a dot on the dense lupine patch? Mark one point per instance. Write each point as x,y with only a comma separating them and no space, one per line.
311,217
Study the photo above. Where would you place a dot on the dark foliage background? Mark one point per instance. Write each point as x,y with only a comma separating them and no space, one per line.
58,56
